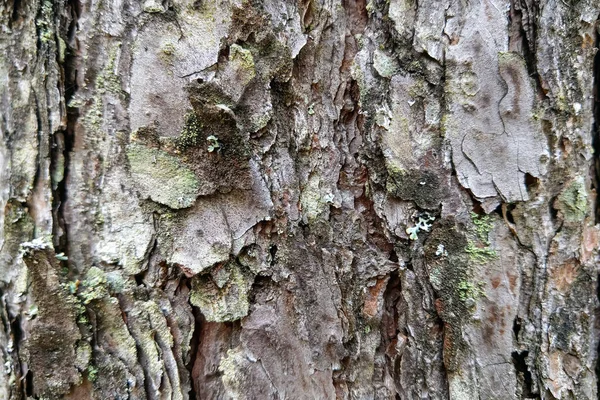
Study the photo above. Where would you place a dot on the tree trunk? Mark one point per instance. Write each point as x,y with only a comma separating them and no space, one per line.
299,199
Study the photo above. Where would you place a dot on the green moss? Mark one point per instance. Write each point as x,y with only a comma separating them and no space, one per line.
162,177
421,186
191,133
573,202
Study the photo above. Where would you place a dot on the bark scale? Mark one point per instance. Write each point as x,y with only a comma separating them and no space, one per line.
243,199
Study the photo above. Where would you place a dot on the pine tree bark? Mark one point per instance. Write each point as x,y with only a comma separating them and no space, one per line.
310,199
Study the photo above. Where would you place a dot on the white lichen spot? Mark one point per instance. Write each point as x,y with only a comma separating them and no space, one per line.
423,224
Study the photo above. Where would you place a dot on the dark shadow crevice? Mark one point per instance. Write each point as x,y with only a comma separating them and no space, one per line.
194,344
523,37
524,375
63,141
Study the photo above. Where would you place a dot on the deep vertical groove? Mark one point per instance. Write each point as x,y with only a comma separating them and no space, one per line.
525,21
194,345
63,141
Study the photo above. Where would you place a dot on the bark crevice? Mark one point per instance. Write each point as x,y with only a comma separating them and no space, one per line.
63,141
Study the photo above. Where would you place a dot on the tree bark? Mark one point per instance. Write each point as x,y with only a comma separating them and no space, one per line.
310,199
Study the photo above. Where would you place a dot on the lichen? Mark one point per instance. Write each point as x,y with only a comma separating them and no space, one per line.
385,65
242,57
231,367
213,144
483,226
469,291
45,22
222,295
108,79
314,199
94,286
478,248
572,202
107,82
423,224
480,255
162,177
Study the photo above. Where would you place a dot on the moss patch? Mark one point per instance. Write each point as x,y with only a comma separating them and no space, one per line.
162,177
191,133
450,274
422,187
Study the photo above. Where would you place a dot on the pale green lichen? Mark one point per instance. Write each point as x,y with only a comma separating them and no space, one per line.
572,202
107,81
168,49
83,355
479,250
242,57
315,199
162,177
441,251
423,224
224,295
213,144
385,65
167,55
231,367
467,290
92,373
93,287
483,226
480,255
45,22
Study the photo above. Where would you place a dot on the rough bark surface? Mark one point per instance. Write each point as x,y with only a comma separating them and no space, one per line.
299,199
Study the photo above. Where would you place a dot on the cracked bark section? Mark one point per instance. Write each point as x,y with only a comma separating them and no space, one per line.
283,199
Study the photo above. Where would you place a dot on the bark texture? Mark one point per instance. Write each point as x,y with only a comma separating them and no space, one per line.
299,199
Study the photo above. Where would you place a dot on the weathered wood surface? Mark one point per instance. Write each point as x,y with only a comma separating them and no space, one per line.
312,199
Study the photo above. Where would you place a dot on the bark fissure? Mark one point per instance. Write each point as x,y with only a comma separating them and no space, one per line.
63,140
393,209
194,352
524,16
